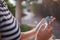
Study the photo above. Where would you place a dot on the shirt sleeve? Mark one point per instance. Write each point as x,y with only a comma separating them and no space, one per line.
8,24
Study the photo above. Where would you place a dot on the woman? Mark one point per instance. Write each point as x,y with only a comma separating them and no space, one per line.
9,28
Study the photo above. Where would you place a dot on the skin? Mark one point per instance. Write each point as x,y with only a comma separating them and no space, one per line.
40,34
47,33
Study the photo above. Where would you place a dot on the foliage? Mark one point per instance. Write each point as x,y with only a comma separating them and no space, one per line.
34,7
11,7
25,28
48,8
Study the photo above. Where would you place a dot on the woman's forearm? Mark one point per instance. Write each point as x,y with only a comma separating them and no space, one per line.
25,35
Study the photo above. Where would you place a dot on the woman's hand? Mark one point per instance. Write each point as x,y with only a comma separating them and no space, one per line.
45,34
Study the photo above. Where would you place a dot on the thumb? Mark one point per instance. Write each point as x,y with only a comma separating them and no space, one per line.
50,23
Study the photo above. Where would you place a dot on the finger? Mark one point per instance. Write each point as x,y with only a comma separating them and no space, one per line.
42,27
53,20
50,24
49,29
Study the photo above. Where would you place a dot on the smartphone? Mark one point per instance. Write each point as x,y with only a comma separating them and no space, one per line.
47,21
44,22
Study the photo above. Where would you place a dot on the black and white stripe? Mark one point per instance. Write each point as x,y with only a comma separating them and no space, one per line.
8,24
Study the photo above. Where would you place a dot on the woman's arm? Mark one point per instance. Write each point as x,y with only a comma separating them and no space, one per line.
25,35
40,35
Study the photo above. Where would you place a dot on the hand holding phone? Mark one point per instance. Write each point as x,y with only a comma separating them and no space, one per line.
45,32
45,22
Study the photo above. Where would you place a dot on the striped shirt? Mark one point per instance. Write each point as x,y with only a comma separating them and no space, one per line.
8,24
